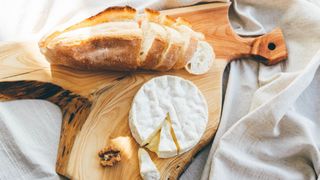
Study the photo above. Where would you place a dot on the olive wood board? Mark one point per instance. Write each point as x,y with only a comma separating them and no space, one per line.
95,105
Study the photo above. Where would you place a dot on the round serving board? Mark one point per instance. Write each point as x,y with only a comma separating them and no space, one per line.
95,105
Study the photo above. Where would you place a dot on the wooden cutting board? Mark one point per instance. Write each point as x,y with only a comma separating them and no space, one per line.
95,105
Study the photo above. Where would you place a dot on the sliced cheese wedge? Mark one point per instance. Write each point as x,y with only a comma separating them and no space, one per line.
163,143
167,146
188,115
148,169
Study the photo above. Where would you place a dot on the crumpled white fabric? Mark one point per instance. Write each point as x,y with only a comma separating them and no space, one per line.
270,123
29,139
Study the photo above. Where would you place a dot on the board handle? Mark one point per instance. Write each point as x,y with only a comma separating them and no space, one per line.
269,48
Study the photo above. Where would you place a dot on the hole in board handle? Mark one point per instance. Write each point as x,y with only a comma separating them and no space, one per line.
271,46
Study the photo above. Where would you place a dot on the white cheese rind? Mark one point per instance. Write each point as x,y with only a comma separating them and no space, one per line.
180,98
141,128
148,169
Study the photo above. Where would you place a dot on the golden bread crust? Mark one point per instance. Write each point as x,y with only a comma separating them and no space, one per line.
98,53
187,55
182,21
167,20
152,15
170,58
154,54
116,13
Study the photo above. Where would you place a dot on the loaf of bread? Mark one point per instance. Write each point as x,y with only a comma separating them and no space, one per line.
120,39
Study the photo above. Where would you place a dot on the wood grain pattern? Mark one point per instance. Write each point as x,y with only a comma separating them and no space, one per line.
95,105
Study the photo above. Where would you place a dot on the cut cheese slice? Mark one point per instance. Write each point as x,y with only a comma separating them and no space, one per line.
173,134
202,59
163,143
167,145
188,115
148,169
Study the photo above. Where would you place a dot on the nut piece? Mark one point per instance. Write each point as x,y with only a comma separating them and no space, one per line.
109,156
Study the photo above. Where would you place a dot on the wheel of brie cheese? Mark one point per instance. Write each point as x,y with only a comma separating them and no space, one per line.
168,115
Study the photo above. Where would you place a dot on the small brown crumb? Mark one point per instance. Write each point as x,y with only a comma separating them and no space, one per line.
109,156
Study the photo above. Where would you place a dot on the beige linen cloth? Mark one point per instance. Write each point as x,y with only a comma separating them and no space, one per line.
270,125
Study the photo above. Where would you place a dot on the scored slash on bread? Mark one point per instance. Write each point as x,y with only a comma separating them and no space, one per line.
110,14
118,39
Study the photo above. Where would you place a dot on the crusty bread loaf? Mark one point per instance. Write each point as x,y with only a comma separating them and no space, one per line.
110,14
172,53
190,46
99,42
101,46
155,42
164,47
118,39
